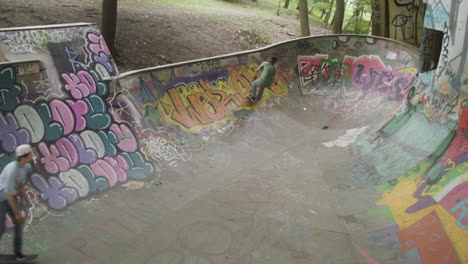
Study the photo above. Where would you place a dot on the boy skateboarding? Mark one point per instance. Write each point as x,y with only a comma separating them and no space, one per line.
266,78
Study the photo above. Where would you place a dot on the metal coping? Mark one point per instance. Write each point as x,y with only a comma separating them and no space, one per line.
81,24
19,62
126,74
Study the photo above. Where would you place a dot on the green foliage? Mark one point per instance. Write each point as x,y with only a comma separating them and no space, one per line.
320,5
362,26
254,34
357,17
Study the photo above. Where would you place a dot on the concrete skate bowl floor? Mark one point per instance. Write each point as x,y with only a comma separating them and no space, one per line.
340,162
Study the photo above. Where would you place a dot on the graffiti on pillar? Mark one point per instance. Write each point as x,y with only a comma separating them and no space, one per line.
406,20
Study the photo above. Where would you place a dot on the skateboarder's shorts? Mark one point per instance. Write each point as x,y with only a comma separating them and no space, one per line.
259,83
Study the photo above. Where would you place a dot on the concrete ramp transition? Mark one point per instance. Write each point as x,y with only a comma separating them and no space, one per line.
353,155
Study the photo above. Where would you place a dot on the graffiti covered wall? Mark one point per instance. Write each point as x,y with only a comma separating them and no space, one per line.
56,101
406,20
94,130
420,158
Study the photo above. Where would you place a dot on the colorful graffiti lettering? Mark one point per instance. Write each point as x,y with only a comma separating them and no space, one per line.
80,150
198,102
318,74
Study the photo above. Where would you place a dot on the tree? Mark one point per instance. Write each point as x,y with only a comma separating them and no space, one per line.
311,6
355,23
327,18
379,18
339,16
286,4
305,30
109,23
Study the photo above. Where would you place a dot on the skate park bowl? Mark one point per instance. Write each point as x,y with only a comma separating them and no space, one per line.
353,155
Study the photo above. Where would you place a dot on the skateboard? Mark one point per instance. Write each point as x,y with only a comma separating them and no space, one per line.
11,258
251,101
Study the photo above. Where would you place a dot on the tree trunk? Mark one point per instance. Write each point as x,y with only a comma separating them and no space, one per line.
379,18
286,4
311,9
109,23
360,19
369,27
353,18
339,16
323,13
327,18
305,30
279,6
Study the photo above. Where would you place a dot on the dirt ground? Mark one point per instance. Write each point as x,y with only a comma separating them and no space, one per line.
151,35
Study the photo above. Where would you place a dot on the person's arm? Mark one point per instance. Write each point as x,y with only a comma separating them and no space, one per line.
17,214
10,194
259,67
256,71
22,195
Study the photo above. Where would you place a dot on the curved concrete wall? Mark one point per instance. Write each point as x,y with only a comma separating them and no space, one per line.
95,131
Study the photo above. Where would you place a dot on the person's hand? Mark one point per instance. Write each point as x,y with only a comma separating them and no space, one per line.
19,218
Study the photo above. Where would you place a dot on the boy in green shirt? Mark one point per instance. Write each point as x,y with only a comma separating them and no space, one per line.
266,78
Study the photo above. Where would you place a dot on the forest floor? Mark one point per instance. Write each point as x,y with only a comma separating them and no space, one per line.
158,32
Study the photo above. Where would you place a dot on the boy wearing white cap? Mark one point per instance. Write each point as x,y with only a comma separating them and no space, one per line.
12,182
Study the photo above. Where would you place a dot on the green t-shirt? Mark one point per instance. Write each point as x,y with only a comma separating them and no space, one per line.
268,73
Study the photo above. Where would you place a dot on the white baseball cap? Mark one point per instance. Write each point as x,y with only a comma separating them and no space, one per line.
22,150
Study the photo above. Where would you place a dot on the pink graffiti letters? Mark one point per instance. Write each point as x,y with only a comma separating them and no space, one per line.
51,159
98,47
62,113
121,166
80,149
104,169
127,142
80,109
80,84
319,74
97,44
67,149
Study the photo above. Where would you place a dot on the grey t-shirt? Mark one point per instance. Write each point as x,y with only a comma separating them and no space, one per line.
11,177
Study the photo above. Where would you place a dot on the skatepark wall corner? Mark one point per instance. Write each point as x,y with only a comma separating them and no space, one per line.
94,129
